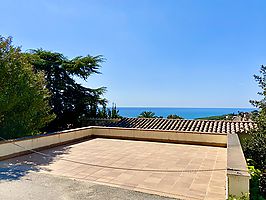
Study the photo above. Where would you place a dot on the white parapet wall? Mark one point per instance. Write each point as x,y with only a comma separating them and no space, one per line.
12,148
24,145
237,173
211,139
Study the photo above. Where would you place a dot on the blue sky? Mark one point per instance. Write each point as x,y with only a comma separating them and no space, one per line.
167,53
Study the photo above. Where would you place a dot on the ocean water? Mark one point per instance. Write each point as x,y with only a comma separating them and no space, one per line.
187,113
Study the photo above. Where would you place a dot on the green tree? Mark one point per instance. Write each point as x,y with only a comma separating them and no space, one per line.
261,104
254,146
24,108
174,117
147,114
111,113
70,101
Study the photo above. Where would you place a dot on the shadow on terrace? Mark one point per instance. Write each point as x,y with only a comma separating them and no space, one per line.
15,168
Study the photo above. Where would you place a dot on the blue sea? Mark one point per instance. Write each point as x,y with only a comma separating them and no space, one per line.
187,113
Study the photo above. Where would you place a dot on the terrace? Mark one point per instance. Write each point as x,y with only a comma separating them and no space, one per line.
183,159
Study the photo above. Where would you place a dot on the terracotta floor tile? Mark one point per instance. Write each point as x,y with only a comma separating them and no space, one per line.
153,180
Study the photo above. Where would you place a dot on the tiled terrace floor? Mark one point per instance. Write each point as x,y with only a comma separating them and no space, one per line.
157,168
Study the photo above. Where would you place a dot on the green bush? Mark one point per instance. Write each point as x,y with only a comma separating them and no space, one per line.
254,148
254,145
262,184
243,197
256,182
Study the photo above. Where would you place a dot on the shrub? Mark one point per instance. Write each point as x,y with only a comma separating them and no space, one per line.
243,197
262,184
256,182
254,148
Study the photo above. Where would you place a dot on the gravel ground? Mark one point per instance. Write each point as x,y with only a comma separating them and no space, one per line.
41,186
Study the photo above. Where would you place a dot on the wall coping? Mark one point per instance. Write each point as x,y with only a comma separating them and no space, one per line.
158,130
103,127
43,135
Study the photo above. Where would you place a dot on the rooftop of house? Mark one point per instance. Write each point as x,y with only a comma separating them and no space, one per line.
172,170
157,156
184,125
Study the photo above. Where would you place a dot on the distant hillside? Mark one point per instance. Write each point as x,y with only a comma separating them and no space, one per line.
241,116
220,117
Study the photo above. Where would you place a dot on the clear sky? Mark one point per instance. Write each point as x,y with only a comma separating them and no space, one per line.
167,53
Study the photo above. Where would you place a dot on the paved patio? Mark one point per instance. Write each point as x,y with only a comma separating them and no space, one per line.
172,170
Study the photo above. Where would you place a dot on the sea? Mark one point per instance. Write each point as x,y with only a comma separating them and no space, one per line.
187,113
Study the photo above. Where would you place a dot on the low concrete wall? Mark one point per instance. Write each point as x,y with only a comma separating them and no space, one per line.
24,145
237,173
161,135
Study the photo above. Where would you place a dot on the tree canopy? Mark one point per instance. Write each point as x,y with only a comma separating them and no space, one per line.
254,146
147,114
24,105
70,101
173,116
261,104
109,113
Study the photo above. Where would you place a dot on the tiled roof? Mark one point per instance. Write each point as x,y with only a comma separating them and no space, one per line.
183,125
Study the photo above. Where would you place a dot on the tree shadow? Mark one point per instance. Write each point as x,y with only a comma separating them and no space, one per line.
15,168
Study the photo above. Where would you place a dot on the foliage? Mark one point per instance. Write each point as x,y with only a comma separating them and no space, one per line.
174,117
254,115
70,101
111,113
261,104
262,184
256,176
252,169
242,197
254,146
147,114
24,105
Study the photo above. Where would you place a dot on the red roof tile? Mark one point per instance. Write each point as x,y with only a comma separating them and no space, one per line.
184,125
